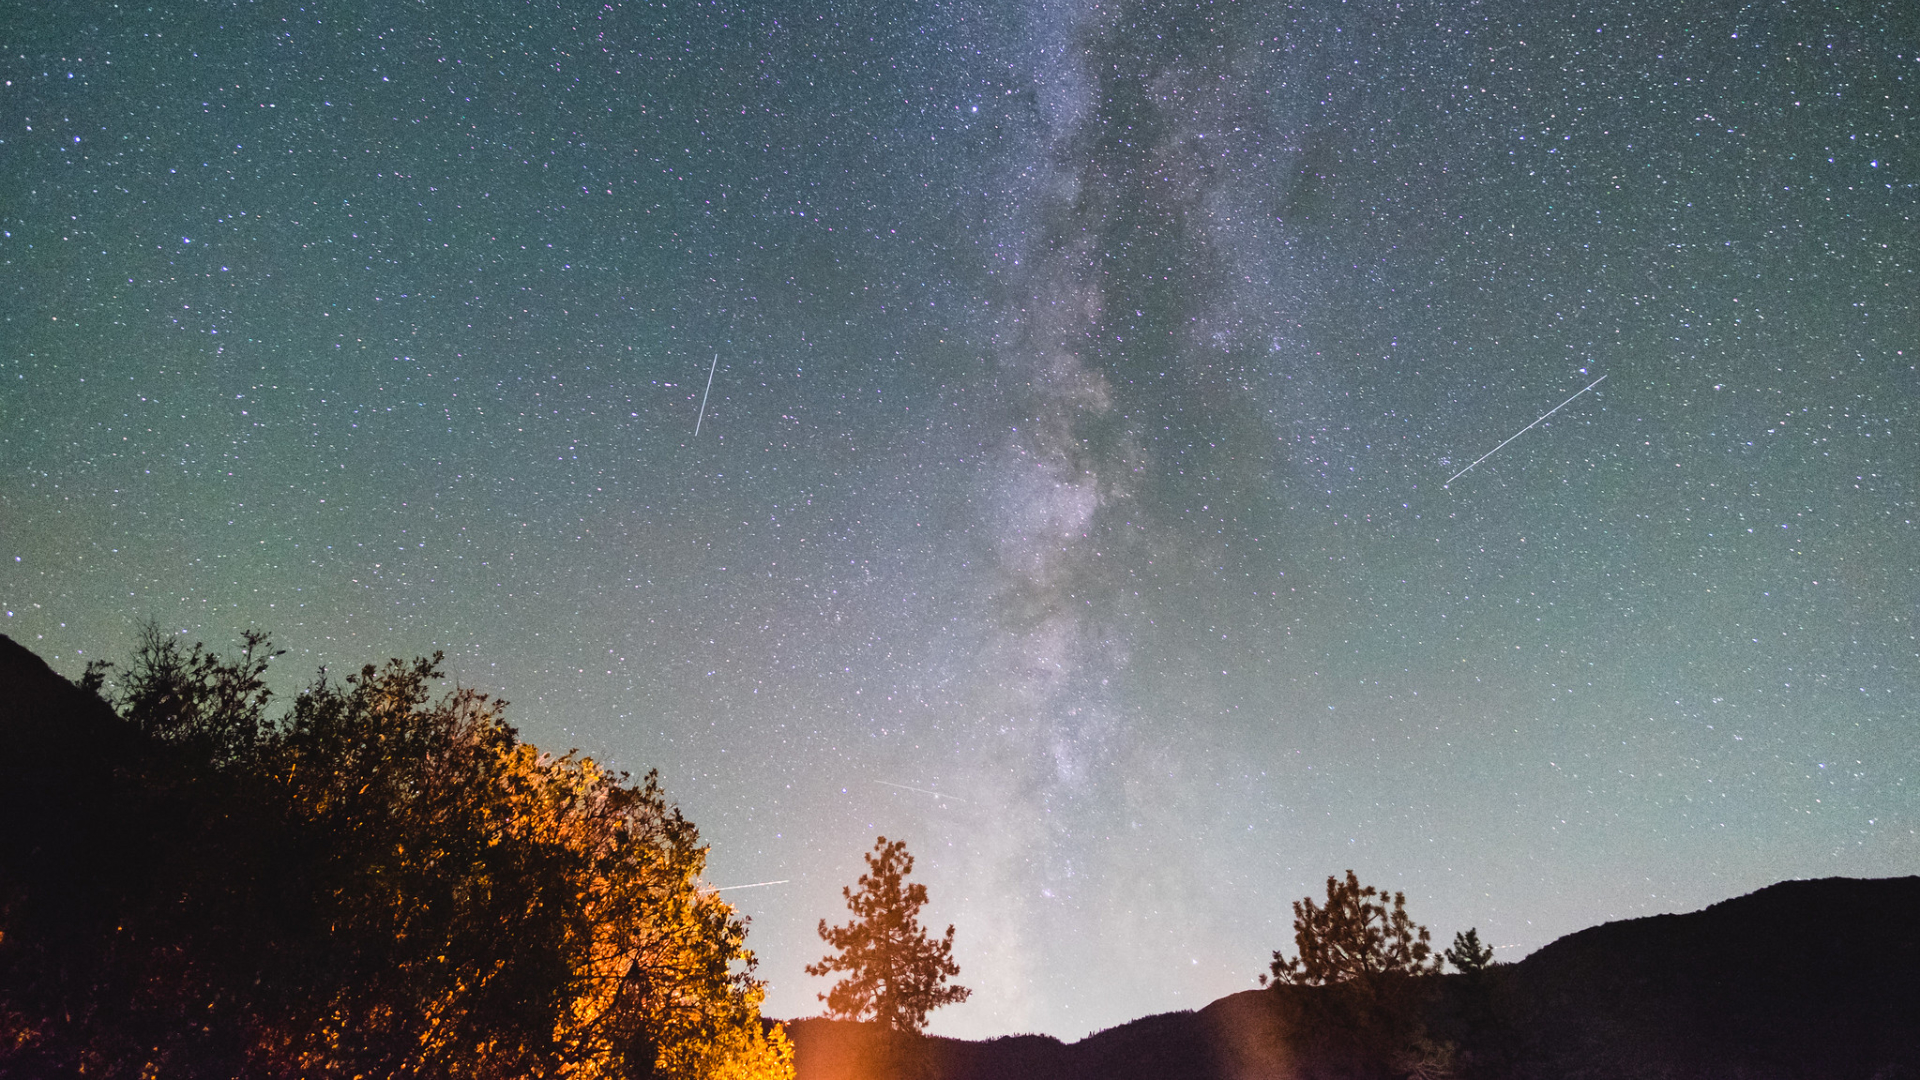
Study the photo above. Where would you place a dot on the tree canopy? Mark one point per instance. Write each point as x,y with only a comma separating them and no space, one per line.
1360,950
383,881
896,974
1354,936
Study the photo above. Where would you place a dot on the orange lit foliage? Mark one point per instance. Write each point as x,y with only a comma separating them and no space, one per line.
404,889
498,911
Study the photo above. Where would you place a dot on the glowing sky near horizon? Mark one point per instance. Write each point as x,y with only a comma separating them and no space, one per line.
1068,498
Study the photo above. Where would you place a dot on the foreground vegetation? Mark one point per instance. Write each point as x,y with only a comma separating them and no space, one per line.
378,881
382,880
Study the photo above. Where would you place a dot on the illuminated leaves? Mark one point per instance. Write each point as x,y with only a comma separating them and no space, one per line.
503,911
383,882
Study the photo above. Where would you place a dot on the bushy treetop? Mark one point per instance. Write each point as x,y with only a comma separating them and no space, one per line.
1355,935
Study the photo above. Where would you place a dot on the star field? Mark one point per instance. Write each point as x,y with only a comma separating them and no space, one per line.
1068,500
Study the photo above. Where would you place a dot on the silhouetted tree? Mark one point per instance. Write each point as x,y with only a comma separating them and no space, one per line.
1485,1038
212,708
896,974
1466,953
1361,951
1355,936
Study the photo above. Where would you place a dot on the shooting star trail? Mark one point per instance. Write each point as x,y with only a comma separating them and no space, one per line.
921,790
703,397
755,885
1523,431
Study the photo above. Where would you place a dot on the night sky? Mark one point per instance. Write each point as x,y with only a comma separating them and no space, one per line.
1072,497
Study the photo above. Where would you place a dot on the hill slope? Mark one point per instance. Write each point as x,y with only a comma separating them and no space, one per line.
1811,979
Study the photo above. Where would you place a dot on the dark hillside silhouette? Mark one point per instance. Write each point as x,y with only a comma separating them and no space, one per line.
81,844
1172,1046
1804,980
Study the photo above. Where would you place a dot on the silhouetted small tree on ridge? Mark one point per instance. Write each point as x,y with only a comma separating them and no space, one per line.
1355,936
1466,953
1361,951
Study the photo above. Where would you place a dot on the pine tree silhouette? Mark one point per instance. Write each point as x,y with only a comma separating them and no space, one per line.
896,974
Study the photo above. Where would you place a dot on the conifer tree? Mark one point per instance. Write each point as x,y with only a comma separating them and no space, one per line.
896,974
1355,936
1361,951
1467,954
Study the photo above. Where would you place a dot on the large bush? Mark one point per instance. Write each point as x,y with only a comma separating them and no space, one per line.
383,881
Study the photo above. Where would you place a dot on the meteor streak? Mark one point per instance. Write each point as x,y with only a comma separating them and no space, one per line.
703,412
921,790
1523,431
755,885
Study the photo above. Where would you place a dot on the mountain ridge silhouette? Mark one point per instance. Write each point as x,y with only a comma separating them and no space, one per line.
1802,979
1816,979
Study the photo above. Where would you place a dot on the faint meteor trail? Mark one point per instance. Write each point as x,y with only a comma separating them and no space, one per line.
1523,431
703,397
755,885
921,790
